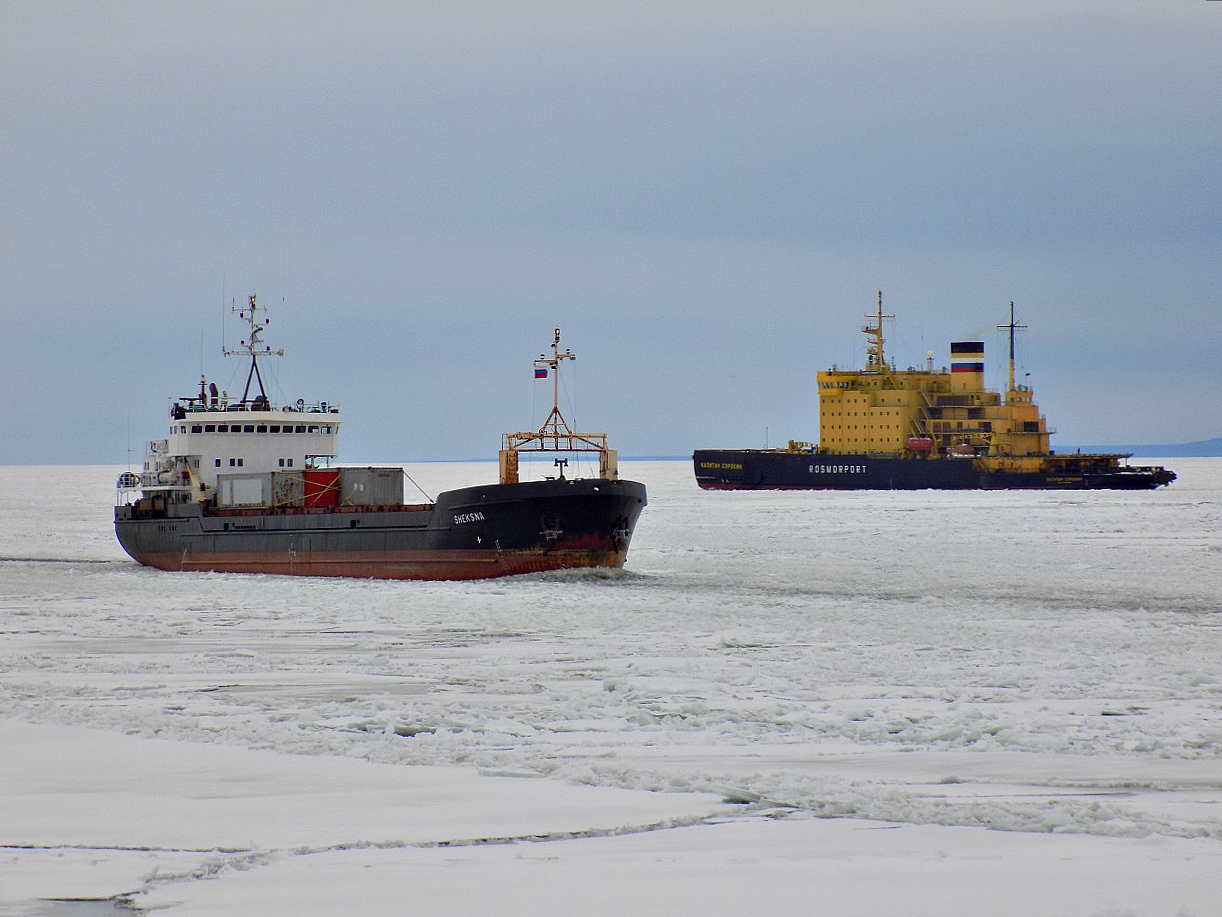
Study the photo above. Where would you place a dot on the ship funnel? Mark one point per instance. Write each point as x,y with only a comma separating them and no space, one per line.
967,366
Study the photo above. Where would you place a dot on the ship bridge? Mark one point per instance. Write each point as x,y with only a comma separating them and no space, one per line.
205,441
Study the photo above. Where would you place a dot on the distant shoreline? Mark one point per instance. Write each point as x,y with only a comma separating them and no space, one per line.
1207,448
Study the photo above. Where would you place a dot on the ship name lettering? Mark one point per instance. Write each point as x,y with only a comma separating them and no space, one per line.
837,469
460,518
724,466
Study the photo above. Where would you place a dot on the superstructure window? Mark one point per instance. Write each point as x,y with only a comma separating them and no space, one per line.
222,428
261,428
218,463
300,428
274,428
249,428
209,428
196,428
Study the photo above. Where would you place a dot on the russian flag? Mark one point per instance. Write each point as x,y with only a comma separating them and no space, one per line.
540,372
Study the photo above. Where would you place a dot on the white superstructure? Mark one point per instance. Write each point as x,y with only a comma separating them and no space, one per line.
211,435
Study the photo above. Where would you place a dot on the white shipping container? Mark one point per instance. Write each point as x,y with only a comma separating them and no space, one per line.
244,489
371,486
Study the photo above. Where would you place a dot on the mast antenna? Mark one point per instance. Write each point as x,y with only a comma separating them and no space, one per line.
251,347
555,425
1011,327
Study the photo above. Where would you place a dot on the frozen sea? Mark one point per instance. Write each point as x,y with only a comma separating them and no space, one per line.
925,703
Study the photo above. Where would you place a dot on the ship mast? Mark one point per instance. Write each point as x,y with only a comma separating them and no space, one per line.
555,426
555,435
875,361
250,314
1011,327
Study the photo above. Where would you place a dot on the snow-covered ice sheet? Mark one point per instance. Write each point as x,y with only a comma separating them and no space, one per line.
1042,664
799,866
119,811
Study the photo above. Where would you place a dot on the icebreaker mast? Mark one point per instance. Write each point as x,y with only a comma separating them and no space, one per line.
1011,327
876,361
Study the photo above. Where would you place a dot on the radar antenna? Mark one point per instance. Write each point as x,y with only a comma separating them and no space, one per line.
251,347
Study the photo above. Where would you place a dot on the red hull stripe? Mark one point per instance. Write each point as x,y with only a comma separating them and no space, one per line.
426,565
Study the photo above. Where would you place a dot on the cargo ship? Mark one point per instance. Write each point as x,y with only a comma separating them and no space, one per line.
883,428
247,486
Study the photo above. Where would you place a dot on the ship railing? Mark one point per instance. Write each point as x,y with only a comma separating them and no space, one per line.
126,487
127,483
923,425
151,486
298,407
555,440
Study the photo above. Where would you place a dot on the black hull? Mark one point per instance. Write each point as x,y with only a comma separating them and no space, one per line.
752,469
472,533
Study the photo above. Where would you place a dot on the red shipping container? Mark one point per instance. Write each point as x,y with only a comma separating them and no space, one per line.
321,486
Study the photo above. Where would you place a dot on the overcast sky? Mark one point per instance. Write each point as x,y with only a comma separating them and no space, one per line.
706,196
